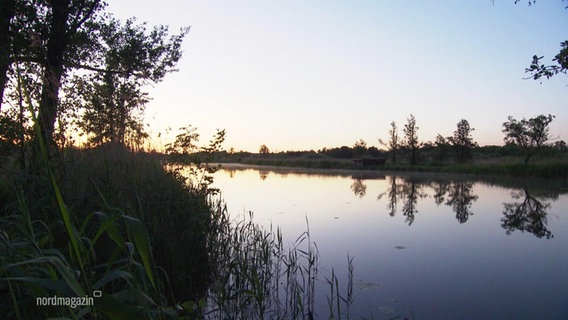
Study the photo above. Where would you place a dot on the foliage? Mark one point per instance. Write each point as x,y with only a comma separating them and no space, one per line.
52,255
411,139
360,148
462,141
442,146
113,100
12,133
539,70
393,143
100,63
114,111
263,149
184,150
528,215
531,134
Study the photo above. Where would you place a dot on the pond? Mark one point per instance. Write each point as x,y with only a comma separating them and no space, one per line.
427,246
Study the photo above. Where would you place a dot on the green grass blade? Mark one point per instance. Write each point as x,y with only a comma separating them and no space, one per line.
137,230
63,270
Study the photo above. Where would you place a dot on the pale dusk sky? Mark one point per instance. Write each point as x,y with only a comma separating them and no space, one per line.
301,75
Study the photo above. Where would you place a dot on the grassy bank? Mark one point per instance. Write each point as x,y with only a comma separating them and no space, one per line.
111,221
556,168
154,243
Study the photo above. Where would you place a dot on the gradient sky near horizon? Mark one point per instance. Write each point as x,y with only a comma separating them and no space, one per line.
301,75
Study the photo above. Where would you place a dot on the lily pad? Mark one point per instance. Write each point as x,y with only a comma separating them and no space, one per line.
366,285
387,310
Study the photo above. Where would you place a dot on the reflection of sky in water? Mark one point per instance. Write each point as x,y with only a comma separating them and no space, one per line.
437,267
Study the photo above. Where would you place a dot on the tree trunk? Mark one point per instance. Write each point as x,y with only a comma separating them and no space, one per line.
53,69
6,15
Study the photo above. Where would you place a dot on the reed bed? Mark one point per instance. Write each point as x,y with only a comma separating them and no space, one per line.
257,276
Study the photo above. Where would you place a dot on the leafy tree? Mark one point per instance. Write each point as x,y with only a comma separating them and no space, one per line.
114,101
560,146
263,149
343,152
462,141
185,142
69,42
186,150
411,138
529,134
59,41
360,148
374,151
393,144
442,147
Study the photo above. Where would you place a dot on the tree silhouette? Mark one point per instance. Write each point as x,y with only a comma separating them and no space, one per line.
393,143
531,134
48,43
114,101
462,141
360,148
411,138
442,147
263,149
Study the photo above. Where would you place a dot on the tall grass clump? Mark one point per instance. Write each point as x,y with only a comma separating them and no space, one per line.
104,225
257,276
111,178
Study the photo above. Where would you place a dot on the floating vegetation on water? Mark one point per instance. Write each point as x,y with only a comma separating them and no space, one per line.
387,310
365,286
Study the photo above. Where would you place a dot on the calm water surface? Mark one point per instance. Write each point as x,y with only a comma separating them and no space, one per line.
424,247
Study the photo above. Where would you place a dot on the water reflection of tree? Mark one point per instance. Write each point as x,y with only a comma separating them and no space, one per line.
459,196
263,174
409,206
408,192
529,215
359,188
392,194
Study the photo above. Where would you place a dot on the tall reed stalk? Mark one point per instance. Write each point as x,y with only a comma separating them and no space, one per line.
258,277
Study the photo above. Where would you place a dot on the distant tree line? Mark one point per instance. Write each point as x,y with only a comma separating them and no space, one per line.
526,137
523,138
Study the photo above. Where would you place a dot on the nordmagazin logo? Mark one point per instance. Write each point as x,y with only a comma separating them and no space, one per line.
72,302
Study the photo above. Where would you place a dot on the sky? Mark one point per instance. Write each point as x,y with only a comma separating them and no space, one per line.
304,75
